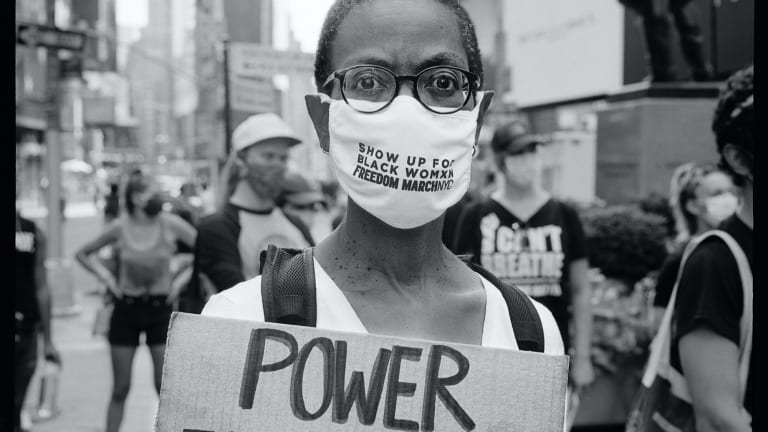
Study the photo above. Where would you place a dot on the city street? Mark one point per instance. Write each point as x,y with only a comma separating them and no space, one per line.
86,377
570,156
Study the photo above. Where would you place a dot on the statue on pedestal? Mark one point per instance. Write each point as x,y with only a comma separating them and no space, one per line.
658,17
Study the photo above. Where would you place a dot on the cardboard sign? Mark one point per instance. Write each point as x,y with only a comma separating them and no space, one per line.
223,375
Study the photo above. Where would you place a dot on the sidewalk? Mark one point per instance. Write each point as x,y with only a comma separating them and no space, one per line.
86,377
72,210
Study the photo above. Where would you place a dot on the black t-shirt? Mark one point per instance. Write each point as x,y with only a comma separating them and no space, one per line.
665,282
534,255
710,293
26,307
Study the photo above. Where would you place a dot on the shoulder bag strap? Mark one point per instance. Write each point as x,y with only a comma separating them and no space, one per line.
659,359
745,273
299,224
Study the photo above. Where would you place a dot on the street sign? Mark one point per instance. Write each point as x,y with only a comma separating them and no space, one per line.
49,37
253,95
254,60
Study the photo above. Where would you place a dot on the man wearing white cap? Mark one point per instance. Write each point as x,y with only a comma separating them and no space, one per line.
229,240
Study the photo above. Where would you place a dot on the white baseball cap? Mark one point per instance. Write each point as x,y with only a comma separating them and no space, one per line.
260,127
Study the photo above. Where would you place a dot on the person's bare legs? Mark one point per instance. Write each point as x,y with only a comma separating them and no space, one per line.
158,355
122,365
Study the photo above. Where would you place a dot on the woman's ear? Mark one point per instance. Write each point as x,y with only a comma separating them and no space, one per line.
485,103
318,112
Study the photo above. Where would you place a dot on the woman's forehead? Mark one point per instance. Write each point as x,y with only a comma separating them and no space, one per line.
405,36
715,181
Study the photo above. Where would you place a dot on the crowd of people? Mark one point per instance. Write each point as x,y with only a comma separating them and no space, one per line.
439,264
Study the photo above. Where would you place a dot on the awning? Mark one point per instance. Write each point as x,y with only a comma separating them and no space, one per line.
76,166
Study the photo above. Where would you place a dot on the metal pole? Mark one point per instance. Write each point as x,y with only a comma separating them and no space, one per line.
714,7
53,147
172,125
227,110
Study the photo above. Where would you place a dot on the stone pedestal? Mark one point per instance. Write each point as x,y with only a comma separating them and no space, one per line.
645,131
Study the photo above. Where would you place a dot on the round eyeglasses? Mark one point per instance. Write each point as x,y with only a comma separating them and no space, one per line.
441,89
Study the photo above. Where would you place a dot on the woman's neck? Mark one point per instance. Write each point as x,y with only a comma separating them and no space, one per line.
523,201
513,192
138,217
404,257
245,197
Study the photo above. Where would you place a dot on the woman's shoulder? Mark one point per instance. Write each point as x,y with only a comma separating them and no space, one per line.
553,341
173,219
242,301
115,227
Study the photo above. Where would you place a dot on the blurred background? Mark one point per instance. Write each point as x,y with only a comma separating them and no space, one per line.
106,86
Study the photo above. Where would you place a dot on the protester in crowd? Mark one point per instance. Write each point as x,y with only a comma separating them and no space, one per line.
145,239
481,184
111,203
658,17
529,239
32,311
659,205
706,337
229,240
188,205
385,270
701,196
207,199
303,198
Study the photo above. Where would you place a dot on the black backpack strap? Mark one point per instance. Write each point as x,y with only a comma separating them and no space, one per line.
526,322
288,286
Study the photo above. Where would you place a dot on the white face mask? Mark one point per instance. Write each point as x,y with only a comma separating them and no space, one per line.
405,165
721,207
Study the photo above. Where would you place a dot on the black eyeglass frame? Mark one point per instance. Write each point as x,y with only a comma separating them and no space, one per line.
474,85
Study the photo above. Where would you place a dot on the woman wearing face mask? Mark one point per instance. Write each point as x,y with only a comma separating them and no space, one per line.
399,110
145,238
701,196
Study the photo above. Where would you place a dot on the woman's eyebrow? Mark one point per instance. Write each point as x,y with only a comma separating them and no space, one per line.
368,60
443,59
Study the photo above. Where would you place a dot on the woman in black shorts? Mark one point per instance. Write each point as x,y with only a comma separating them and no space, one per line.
145,237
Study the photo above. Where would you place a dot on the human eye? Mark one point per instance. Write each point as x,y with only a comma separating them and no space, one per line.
444,81
368,80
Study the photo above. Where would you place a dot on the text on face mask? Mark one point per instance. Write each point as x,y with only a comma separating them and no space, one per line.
421,174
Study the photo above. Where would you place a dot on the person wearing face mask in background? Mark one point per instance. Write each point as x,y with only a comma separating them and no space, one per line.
144,237
248,219
303,197
701,196
399,121
528,238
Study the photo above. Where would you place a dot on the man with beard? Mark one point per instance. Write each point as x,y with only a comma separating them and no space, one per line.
229,241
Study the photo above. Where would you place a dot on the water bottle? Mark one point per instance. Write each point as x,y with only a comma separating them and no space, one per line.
49,387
